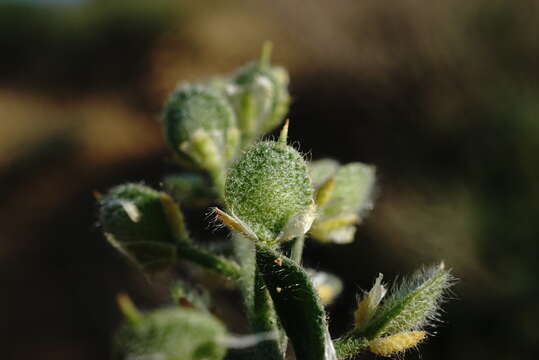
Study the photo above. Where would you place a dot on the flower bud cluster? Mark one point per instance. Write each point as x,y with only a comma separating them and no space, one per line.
259,94
274,197
206,124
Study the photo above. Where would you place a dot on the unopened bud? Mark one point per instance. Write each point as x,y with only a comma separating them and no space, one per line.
414,304
200,127
136,220
343,195
268,192
368,304
172,334
394,344
259,94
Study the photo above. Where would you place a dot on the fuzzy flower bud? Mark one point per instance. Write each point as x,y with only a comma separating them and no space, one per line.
137,221
414,304
394,344
368,305
200,127
259,94
170,334
268,193
343,194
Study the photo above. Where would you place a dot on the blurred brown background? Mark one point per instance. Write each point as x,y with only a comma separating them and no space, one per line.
442,96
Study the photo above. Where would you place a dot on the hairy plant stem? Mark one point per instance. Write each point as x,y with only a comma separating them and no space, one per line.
258,304
206,259
296,252
218,178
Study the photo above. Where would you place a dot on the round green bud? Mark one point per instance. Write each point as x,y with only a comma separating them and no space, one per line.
268,191
172,334
259,94
135,221
200,126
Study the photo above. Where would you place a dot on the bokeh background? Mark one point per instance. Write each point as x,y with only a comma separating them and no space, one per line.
442,96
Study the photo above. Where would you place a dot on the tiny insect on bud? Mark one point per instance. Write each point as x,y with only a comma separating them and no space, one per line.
390,345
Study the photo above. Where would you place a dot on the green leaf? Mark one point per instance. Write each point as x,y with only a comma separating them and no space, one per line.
297,304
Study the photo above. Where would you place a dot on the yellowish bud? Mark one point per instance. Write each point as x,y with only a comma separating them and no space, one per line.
393,344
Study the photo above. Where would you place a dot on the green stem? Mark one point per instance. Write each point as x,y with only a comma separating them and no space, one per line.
259,308
265,55
247,119
209,261
265,320
296,253
187,250
217,176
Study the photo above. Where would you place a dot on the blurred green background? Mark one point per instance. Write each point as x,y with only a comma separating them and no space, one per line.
442,96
